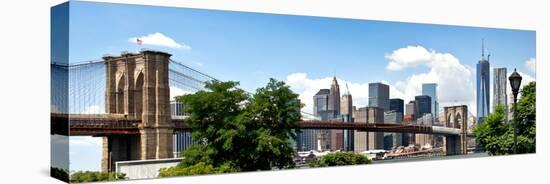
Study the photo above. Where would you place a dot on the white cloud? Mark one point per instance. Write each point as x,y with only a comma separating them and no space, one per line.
409,56
530,64
455,81
159,39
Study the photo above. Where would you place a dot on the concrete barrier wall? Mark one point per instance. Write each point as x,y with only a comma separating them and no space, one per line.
143,169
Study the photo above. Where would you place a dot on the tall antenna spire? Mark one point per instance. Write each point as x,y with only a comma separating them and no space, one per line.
482,48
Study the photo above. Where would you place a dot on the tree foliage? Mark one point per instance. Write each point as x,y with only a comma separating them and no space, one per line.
238,131
497,137
339,159
92,176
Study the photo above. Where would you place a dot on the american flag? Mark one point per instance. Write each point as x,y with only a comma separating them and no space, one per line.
139,41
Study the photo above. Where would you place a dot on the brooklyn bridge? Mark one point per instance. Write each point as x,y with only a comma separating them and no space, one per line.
125,99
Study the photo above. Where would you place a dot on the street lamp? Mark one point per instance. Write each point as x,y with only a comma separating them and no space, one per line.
515,82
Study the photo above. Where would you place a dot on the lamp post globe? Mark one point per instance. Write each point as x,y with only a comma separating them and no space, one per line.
515,83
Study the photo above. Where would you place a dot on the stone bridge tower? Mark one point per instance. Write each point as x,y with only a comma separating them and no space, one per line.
137,88
456,117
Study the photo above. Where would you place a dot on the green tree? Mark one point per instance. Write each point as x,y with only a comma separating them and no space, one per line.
339,159
238,131
497,137
92,176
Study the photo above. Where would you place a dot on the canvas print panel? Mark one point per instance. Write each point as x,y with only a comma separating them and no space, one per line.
148,92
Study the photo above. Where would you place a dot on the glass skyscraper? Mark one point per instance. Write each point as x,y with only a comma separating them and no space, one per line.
307,138
379,96
482,88
430,89
397,105
499,88
423,105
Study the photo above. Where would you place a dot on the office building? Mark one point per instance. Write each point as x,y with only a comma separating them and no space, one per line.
409,119
430,89
335,137
307,138
425,139
499,88
376,139
423,105
346,110
482,87
410,109
379,96
372,140
397,105
334,97
393,139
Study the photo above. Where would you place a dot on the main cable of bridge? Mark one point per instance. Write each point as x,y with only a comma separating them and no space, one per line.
87,80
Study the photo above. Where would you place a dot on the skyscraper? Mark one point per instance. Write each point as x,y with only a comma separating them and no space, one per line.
368,140
375,139
379,96
482,87
307,138
397,105
334,138
499,88
320,103
430,89
409,118
423,105
392,139
346,110
334,97
411,109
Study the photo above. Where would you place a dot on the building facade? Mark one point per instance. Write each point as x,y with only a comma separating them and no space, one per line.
379,96
397,105
425,139
423,105
376,139
393,139
360,115
430,89
410,109
499,88
482,88
346,110
308,138
334,140
409,119
368,140
334,97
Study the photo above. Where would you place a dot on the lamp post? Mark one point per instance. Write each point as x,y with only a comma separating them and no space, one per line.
515,82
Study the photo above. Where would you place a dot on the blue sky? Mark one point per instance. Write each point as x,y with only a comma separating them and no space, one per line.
304,51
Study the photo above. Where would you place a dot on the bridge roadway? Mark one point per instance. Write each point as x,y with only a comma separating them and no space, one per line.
113,124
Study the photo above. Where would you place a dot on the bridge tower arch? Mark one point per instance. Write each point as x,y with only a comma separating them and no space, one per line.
456,117
137,87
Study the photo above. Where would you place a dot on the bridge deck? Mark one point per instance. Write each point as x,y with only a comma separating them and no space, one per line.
97,125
